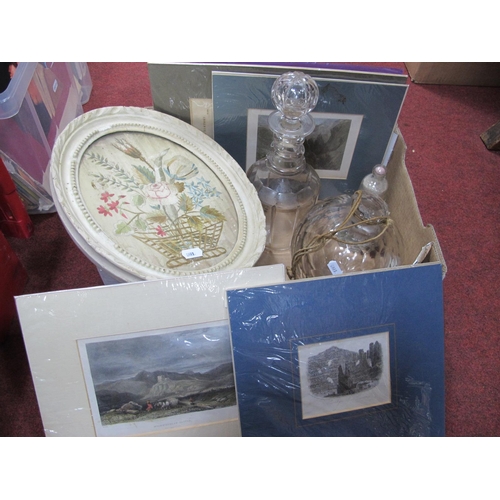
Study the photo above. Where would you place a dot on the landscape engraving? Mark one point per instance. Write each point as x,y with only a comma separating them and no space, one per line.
337,372
344,375
160,394
152,377
329,148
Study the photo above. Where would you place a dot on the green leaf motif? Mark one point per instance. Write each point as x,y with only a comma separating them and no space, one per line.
185,203
195,222
157,218
138,200
146,174
122,228
141,224
211,214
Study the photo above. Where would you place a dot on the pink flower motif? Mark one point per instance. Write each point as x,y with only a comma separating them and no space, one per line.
160,231
106,196
113,206
160,191
104,211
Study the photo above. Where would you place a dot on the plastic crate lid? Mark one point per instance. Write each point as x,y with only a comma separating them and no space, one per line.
12,97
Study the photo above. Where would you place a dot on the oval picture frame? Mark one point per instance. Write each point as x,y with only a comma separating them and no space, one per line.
153,196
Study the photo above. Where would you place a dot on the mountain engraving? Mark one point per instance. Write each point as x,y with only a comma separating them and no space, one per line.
158,394
338,372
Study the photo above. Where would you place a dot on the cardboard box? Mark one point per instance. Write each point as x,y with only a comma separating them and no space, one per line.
405,213
485,74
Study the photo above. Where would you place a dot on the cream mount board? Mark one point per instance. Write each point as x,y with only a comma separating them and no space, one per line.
55,324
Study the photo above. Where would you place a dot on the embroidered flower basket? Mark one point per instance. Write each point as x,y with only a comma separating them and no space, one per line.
172,240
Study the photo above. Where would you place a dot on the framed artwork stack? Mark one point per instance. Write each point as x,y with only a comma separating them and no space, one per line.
356,114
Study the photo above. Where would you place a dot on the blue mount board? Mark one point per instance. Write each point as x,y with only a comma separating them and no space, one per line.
271,326
378,103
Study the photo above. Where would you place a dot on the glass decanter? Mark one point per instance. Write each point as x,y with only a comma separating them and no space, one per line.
347,233
376,182
287,186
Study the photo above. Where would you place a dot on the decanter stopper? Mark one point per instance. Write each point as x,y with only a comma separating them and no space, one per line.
376,182
295,95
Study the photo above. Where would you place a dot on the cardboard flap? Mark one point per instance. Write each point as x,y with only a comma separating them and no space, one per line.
405,212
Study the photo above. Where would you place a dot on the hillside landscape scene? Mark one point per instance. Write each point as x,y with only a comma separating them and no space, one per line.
157,374
160,394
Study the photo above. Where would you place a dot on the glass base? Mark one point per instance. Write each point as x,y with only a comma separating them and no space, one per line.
269,258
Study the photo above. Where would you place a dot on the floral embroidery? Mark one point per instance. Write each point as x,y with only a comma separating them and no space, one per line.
106,196
113,206
164,203
103,210
161,191
160,231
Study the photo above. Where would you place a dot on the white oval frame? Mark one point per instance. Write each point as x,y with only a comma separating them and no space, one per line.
83,131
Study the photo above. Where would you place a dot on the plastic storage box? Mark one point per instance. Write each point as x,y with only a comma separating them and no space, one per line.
41,99
82,75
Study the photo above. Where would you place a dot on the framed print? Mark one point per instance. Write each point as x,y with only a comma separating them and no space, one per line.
346,373
354,355
137,359
154,195
184,90
343,151
178,377
331,157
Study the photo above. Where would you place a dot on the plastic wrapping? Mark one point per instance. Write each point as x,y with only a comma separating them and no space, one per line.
174,86
354,125
148,358
360,355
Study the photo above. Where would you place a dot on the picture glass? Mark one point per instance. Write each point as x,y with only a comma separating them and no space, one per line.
148,382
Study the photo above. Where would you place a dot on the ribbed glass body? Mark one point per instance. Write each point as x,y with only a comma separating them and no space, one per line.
347,233
287,193
287,186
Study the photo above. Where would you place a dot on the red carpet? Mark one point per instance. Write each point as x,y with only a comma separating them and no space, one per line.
457,185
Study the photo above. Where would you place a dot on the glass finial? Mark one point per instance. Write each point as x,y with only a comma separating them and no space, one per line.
376,182
295,95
